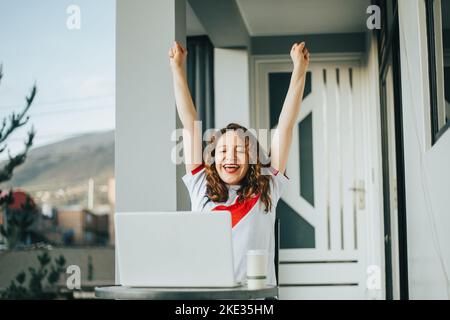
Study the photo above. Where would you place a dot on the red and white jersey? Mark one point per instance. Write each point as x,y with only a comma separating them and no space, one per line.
252,227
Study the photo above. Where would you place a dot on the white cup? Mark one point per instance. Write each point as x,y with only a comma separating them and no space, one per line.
256,269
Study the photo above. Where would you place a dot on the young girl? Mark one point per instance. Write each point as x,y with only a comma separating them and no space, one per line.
232,178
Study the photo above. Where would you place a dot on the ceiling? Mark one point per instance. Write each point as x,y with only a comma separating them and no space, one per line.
193,25
290,17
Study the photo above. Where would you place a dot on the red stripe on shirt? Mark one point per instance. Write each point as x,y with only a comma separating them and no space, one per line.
198,169
239,209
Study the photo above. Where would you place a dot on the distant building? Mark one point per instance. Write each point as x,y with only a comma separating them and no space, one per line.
83,227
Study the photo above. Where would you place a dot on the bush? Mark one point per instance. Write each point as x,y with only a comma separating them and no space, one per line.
43,280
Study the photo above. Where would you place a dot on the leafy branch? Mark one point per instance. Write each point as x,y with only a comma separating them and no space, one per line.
42,280
8,126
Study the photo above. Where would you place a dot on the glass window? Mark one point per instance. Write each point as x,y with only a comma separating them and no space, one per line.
278,87
438,31
305,136
295,231
66,168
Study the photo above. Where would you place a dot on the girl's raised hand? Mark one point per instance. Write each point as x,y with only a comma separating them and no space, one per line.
300,57
177,55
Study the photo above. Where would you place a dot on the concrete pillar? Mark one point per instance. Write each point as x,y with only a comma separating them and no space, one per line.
145,104
231,84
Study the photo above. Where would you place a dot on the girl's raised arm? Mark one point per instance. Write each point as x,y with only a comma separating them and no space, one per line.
282,138
192,143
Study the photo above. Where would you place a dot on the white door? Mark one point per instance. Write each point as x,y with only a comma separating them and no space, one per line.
322,216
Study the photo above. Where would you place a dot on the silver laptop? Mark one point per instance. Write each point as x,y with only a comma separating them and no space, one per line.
174,249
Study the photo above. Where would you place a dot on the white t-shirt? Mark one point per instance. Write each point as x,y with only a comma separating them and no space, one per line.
253,228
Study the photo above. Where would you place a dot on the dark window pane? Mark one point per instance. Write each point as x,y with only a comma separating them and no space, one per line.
278,87
447,92
295,232
438,25
445,11
306,159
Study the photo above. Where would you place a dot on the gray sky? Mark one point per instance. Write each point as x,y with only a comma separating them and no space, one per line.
74,69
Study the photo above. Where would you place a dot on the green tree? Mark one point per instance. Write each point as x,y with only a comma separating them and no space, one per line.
7,127
19,222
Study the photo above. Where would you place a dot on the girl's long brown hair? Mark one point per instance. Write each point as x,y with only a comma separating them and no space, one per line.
254,183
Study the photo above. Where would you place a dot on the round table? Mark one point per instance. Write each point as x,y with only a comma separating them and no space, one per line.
160,293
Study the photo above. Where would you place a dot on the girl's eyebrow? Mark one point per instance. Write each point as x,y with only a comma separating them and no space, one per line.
224,146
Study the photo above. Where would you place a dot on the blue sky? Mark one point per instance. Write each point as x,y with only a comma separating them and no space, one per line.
74,69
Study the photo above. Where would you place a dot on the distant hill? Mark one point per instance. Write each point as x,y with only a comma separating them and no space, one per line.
67,163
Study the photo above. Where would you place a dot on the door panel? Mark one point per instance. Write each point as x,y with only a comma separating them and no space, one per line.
321,212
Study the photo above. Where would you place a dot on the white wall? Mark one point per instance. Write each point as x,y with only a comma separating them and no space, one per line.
231,85
427,169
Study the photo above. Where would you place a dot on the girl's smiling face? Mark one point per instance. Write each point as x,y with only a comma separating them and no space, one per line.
231,158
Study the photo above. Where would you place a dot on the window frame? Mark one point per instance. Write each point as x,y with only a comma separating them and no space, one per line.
435,60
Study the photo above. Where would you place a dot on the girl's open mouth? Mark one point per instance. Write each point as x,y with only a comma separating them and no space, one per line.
231,168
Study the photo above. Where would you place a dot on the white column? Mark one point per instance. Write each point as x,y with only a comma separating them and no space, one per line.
231,87
145,104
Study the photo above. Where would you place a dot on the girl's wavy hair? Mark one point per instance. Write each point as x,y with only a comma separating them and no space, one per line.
254,182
